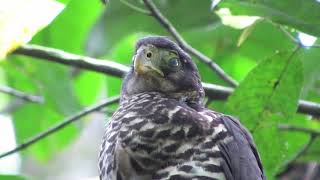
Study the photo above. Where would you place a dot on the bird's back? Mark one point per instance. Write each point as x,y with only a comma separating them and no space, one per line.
152,136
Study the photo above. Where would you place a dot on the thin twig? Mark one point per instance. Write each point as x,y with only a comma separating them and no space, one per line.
61,125
135,8
21,95
105,1
299,129
12,106
106,111
292,38
213,91
308,106
184,45
285,32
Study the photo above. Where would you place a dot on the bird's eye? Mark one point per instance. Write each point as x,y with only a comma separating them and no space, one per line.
149,54
174,62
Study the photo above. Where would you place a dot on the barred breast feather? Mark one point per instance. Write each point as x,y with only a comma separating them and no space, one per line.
154,137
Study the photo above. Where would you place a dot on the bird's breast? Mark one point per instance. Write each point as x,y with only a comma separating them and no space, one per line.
157,136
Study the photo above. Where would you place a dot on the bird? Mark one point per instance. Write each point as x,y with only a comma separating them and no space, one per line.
162,130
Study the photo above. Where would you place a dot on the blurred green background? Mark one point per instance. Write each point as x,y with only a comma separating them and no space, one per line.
245,37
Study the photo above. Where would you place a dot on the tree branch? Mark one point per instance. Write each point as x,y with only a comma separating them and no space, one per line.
59,56
213,91
184,45
290,36
21,95
61,125
312,170
14,105
308,107
217,92
135,8
299,129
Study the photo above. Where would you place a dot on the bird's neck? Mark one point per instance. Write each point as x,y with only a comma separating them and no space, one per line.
185,98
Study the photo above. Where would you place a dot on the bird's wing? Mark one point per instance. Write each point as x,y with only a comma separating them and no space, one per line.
241,158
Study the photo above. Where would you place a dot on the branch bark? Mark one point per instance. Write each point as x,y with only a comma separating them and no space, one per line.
61,125
213,91
187,47
312,170
299,129
59,56
21,95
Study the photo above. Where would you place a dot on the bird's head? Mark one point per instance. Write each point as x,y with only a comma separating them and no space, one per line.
161,65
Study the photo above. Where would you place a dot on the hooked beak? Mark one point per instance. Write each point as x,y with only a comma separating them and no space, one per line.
142,64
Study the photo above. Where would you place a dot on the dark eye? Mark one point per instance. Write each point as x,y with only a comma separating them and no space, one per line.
174,62
149,54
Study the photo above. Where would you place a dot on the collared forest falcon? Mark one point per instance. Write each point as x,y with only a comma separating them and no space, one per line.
161,129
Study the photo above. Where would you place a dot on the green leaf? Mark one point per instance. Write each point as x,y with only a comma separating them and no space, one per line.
88,87
266,97
12,177
312,154
220,42
120,21
63,1
300,14
54,82
310,59
246,32
69,30
122,52
29,120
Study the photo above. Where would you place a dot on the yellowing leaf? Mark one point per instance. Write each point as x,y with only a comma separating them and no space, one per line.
246,32
21,19
237,22
300,14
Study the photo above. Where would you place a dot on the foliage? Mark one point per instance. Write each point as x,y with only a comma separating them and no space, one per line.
24,27
273,74
266,105
11,177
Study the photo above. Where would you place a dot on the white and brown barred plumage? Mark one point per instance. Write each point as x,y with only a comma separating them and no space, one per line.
162,131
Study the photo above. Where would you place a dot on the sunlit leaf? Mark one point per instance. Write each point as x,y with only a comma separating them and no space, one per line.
238,22
54,82
300,14
21,19
76,21
246,32
3,97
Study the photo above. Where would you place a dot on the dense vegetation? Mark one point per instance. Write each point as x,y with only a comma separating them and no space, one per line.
254,41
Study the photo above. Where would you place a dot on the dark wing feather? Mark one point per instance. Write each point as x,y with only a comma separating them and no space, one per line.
241,159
